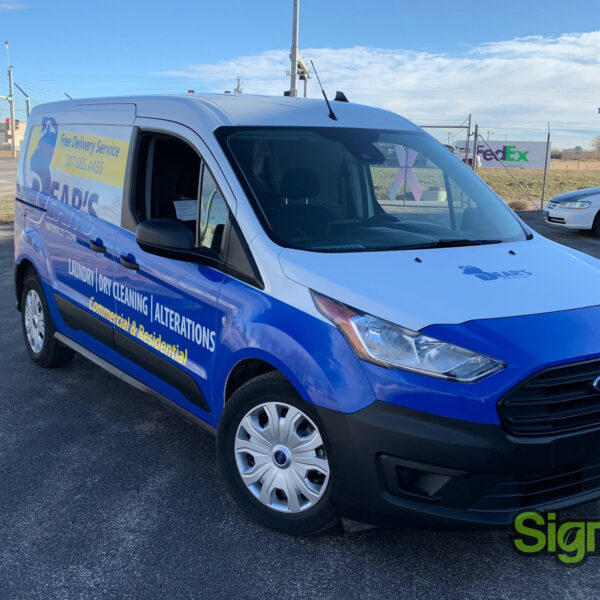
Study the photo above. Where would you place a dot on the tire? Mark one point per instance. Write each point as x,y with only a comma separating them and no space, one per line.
38,328
596,225
290,459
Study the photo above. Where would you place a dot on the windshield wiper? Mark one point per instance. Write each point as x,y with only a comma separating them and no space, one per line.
449,243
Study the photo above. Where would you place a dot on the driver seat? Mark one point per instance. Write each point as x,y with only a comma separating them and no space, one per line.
295,215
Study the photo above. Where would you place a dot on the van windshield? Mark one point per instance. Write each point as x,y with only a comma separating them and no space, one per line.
331,189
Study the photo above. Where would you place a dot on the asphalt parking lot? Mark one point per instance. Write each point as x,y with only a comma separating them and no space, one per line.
105,494
585,241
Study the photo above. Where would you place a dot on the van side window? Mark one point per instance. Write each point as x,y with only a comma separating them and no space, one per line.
171,181
213,214
167,180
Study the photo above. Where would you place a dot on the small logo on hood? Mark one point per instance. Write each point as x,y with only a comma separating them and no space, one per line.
491,275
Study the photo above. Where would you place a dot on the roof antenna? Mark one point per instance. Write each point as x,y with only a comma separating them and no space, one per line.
331,113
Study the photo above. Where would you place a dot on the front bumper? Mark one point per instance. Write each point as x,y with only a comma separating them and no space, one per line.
392,464
570,218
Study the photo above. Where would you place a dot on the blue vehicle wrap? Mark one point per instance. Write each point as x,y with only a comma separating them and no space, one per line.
310,352
184,328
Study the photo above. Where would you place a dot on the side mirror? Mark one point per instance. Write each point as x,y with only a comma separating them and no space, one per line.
171,238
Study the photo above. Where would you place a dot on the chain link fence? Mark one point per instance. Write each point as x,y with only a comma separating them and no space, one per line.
574,162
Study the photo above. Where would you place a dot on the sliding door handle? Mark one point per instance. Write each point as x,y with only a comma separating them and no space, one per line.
129,264
97,246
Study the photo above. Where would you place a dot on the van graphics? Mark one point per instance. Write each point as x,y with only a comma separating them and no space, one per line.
40,155
98,159
491,276
138,331
82,170
81,272
61,231
154,315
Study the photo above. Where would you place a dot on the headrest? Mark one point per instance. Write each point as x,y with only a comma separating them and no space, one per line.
299,183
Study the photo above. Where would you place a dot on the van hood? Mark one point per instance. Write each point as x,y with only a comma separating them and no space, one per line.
418,288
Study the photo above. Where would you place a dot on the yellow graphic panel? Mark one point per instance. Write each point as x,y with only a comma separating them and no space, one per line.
34,140
96,158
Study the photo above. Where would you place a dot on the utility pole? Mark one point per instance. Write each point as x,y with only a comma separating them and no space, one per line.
12,113
545,167
294,52
475,142
468,141
11,100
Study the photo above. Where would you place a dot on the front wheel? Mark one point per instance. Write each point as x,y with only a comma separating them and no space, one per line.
273,458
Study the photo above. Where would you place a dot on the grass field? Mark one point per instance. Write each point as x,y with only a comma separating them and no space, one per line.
523,194
6,209
563,176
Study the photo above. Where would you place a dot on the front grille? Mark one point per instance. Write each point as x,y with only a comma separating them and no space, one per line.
542,488
555,400
556,220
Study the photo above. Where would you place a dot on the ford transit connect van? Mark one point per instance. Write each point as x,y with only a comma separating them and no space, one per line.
366,327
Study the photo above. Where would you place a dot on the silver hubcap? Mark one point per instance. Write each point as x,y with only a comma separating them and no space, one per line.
34,321
281,458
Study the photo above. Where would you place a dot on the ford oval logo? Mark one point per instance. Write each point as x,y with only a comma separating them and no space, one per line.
596,384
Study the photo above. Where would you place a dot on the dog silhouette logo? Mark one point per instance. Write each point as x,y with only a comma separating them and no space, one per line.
479,273
41,159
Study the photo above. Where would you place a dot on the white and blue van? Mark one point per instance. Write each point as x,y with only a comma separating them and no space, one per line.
366,327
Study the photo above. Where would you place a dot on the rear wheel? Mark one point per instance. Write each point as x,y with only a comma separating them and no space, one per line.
272,455
38,328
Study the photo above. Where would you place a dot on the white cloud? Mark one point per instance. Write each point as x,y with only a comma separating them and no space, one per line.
579,47
12,5
524,82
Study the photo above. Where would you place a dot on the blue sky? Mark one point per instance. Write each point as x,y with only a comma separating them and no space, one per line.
429,60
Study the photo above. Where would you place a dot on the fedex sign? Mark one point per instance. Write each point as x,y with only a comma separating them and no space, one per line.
514,155
507,153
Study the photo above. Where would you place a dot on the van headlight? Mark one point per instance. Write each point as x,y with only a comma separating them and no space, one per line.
575,204
384,343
